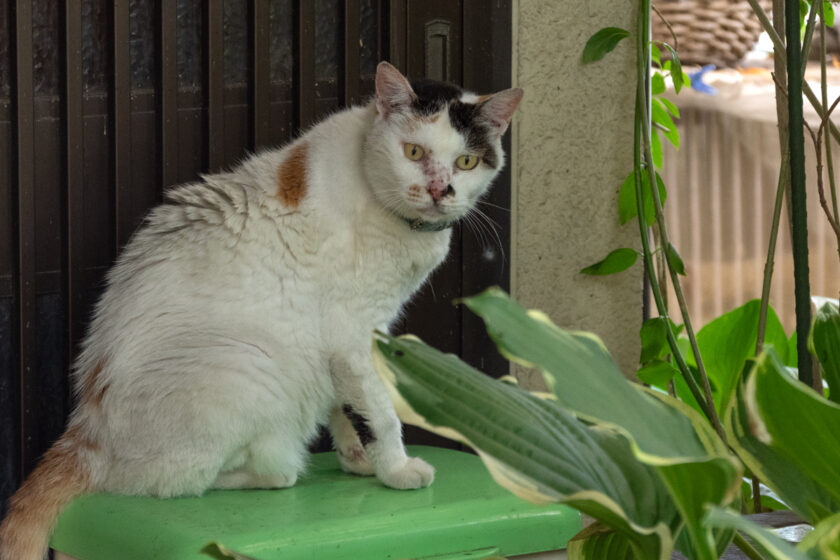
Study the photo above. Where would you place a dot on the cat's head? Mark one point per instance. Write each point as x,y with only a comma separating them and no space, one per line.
434,149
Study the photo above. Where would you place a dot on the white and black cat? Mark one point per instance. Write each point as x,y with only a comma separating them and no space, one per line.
239,317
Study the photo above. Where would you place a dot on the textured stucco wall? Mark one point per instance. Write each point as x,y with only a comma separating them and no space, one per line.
571,150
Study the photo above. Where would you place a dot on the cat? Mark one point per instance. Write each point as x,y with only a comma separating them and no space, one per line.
239,316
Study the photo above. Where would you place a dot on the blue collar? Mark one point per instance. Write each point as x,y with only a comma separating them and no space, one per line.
418,224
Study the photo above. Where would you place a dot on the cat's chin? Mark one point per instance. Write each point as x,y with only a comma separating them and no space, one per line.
435,214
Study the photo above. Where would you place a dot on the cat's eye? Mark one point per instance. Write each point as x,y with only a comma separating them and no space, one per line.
467,162
413,151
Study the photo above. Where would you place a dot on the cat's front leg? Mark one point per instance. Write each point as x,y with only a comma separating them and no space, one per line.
348,443
364,400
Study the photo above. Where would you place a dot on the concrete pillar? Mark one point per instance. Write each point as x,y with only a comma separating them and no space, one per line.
572,147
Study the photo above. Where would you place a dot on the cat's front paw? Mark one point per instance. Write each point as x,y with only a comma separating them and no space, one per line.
414,473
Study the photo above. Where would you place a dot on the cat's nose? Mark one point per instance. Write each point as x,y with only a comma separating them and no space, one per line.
439,189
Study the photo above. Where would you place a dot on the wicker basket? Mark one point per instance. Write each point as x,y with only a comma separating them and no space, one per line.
716,32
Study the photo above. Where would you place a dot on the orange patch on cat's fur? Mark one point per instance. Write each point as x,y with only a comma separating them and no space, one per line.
291,176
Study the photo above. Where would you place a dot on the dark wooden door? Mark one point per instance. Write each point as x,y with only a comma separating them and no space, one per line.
105,103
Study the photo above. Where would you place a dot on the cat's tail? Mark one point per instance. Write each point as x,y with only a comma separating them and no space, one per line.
62,474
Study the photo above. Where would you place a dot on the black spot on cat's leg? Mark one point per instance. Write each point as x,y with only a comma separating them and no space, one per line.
360,424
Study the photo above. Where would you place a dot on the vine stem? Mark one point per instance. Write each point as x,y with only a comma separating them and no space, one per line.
833,220
783,186
771,252
642,134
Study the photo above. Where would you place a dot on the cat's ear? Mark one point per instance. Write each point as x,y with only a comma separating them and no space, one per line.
497,109
393,92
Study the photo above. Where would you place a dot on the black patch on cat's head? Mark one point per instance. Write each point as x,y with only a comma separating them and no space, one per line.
432,97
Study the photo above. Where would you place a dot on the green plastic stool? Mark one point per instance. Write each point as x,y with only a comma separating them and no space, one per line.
327,515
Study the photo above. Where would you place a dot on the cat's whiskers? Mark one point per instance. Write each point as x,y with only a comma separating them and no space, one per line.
470,222
502,208
488,226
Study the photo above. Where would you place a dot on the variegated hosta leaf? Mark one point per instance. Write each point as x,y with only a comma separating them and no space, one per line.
771,457
220,552
796,421
531,446
600,541
824,342
771,544
694,485
800,492
587,382
664,432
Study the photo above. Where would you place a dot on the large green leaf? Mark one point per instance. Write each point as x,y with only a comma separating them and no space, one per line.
587,382
802,493
726,343
824,342
662,431
694,485
795,420
532,446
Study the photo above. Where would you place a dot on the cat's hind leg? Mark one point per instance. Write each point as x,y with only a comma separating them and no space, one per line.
273,461
348,445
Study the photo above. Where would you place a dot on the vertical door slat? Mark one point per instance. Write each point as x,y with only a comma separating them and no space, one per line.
381,38
168,94
305,62
25,106
121,99
215,84
352,33
74,165
261,77
397,33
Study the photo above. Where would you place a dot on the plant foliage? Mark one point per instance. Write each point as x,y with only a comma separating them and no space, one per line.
649,468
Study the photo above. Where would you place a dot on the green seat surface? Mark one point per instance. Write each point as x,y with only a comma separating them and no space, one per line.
327,515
